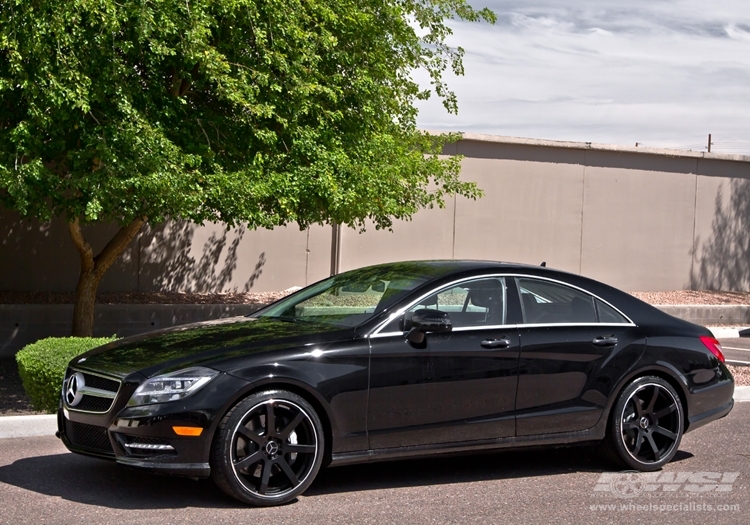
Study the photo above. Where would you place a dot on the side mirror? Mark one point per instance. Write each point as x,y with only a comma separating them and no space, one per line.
426,320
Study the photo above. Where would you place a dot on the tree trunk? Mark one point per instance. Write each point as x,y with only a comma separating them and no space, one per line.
93,269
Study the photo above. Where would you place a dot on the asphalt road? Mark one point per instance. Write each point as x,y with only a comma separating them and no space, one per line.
40,482
736,350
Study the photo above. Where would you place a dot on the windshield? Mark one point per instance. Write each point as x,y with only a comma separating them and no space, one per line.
352,298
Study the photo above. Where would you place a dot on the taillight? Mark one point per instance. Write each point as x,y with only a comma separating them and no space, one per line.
714,346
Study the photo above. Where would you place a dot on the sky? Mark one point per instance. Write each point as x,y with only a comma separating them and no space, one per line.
662,73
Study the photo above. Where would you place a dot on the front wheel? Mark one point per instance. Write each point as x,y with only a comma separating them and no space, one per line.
646,425
268,448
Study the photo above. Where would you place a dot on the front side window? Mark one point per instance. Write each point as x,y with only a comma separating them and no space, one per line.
472,303
545,302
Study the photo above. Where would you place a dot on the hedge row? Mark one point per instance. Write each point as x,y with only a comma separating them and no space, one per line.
42,365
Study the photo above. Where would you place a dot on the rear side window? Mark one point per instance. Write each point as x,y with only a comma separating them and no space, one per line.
607,314
545,302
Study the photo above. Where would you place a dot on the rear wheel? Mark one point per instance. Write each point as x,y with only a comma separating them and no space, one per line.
646,425
268,448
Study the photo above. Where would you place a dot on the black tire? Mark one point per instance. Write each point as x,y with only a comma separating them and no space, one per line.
264,464
646,425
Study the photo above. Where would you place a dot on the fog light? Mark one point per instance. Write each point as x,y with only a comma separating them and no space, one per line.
187,431
149,446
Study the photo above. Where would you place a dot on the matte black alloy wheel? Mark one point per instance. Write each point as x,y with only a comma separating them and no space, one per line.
647,424
269,449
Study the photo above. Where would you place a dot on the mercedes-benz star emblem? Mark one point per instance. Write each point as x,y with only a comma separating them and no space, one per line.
73,392
272,448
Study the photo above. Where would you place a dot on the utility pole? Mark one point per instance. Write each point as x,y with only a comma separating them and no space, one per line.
335,248
709,143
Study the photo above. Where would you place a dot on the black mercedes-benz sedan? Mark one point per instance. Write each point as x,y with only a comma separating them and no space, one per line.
393,361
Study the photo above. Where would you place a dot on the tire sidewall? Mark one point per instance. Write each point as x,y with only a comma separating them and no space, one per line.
616,424
222,469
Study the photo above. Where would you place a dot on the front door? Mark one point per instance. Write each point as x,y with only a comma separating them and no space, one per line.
456,387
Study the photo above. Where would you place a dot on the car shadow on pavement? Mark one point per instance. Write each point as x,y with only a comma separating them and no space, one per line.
464,469
103,483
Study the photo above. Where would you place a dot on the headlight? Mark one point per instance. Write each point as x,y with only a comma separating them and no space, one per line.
172,386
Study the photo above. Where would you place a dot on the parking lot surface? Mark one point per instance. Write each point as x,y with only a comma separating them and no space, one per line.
736,350
708,482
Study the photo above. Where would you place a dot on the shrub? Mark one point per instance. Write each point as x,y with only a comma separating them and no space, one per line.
42,365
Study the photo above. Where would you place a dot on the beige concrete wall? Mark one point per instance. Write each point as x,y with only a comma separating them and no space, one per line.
429,235
638,227
638,219
41,257
531,213
176,256
185,257
721,256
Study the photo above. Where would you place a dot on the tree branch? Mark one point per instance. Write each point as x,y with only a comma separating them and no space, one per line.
84,248
116,245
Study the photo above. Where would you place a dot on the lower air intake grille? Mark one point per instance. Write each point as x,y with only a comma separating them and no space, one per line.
89,436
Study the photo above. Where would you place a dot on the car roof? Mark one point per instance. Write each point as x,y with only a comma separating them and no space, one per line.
640,312
463,264
452,267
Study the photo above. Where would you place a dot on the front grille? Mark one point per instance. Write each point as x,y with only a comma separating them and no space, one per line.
102,383
89,437
92,402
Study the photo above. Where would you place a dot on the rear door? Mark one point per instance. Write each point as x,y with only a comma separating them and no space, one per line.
573,347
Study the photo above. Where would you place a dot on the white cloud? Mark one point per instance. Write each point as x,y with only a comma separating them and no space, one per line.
657,72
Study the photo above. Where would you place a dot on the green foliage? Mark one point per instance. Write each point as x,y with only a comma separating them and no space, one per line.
42,365
255,112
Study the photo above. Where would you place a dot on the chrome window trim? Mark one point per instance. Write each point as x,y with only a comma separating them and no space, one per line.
547,325
375,332
386,334
457,329
505,327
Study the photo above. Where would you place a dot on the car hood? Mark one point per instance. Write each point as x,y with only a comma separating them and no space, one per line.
205,343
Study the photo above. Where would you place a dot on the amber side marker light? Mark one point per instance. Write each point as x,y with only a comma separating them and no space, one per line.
187,431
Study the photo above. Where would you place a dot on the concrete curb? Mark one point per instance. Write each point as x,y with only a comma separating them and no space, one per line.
725,333
46,425
741,394
707,315
28,426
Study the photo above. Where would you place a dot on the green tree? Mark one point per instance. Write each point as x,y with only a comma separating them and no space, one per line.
253,112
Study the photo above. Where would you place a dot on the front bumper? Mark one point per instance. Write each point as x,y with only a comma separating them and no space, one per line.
143,437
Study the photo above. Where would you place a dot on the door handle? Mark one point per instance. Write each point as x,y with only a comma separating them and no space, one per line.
496,343
607,340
